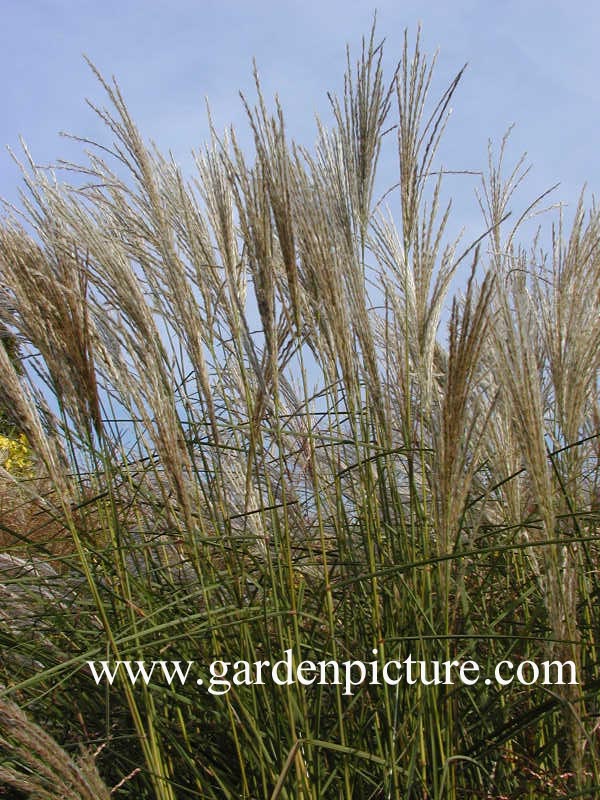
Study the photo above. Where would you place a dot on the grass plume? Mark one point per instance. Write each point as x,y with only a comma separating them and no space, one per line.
252,433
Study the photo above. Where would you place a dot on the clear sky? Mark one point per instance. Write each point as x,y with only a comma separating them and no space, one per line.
531,62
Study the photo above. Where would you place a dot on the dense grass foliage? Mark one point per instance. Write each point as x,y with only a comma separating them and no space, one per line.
251,432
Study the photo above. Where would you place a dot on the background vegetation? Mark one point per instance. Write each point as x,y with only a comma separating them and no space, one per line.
250,432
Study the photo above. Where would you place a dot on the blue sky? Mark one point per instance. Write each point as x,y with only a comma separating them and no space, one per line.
531,63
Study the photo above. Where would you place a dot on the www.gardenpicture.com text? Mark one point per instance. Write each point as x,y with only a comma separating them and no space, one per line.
219,677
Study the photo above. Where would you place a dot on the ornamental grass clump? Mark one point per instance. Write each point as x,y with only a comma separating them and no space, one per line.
254,437
35,765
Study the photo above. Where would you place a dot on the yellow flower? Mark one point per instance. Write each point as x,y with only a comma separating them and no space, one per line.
15,456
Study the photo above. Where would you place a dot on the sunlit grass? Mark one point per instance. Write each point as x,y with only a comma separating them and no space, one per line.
252,434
